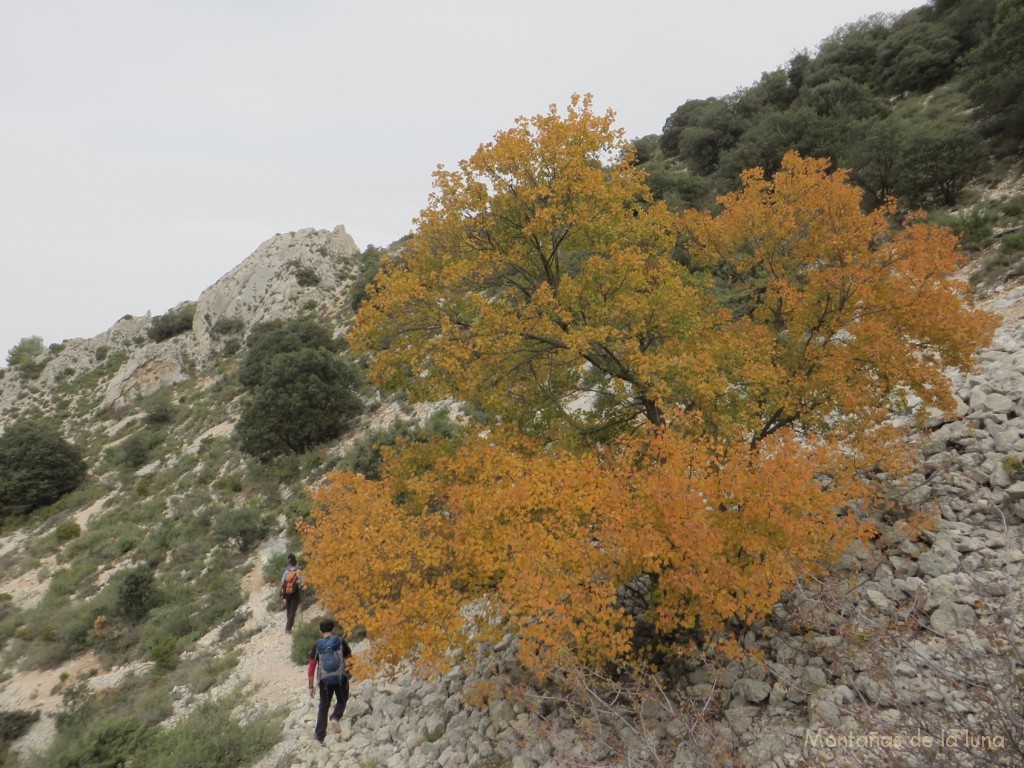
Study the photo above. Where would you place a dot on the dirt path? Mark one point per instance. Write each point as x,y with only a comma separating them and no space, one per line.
265,664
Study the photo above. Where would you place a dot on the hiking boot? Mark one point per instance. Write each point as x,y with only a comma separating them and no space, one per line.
336,725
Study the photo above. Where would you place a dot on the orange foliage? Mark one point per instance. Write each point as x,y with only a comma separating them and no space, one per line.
510,533
693,441
850,309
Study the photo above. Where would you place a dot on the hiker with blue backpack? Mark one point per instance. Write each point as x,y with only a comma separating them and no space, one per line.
328,667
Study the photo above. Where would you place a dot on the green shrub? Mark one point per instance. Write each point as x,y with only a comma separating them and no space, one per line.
109,744
1013,206
101,352
159,408
37,467
14,724
305,275
209,738
67,581
25,351
136,450
974,226
173,323
304,637
364,457
274,567
138,594
1013,243
67,531
164,652
228,326
302,392
244,526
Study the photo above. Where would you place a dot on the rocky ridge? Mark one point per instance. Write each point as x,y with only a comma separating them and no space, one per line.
306,268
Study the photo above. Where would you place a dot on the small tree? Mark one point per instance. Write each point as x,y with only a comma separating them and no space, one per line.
37,467
25,351
173,323
302,392
138,594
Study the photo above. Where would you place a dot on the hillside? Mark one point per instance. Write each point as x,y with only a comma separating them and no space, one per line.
139,621
940,611
73,655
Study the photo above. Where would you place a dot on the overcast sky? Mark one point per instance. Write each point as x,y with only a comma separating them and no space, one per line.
148,146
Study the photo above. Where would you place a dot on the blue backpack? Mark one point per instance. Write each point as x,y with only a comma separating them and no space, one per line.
330,661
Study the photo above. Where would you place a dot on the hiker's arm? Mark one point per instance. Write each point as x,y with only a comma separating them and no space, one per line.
311,673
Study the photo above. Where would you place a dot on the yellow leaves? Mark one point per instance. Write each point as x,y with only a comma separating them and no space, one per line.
510,533
540,271
855,307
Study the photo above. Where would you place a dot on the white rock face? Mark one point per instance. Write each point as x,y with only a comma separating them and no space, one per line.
266,286
287,274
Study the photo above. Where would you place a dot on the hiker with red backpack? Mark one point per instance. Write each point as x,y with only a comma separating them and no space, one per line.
328,669
291,591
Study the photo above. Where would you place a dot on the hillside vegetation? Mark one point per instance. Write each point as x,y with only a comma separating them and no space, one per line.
924,107
611,399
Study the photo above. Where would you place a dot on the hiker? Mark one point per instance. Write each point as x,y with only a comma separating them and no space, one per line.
291,591
328,668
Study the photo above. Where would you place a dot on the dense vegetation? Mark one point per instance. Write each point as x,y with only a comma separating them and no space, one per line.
302,392
916,106
37,467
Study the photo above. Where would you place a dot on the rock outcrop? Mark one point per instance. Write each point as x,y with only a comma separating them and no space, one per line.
304,271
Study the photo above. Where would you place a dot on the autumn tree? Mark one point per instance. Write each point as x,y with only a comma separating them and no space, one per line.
686,404
541,277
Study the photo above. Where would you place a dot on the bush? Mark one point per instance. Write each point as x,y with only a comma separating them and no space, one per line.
300,399
25,351
109,744
209,738
159,409
305,275
173,323
67,531
1013,206
15,724
138,594
244,526
304,637
37,467
274,567
974,226
164,652
364,457
371,261
1012,243
228,326
135,451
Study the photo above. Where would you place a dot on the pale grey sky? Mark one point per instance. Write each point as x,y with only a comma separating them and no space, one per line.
148,146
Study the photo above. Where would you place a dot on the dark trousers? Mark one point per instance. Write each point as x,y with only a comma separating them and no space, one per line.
339,690
291,607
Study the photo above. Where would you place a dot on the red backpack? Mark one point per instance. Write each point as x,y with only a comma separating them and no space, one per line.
291,582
